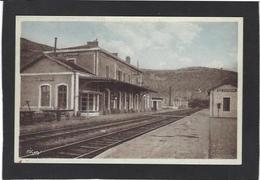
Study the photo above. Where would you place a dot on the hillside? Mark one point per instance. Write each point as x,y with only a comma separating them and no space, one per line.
31,50
188,83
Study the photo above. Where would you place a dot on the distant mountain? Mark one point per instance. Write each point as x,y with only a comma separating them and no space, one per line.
31,50
190,83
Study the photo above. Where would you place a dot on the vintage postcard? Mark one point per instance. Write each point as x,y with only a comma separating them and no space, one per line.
130,90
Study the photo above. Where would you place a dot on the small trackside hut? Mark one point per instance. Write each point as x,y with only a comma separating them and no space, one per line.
223,100
156,103
87,80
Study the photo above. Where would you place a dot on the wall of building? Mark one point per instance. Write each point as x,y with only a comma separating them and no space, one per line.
85,59
30,89
97,62
106,61
114,65
217,95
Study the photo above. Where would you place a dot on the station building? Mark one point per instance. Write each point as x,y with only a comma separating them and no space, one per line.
87,80
223,100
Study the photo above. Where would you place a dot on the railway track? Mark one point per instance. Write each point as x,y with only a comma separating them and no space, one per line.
45,135
49,134
93,145
185,112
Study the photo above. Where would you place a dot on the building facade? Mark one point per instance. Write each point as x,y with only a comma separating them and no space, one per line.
86,79
223,101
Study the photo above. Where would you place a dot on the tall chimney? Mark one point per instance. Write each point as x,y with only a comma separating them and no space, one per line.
128,59
55,45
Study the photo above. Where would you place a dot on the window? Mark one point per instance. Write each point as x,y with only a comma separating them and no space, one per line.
45,95
62,97
136,80
84,102
89,102
124,77
107,71
226,104
119,75
129,78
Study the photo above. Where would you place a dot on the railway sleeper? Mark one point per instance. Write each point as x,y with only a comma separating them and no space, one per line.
68,154
78,150
102,142
86,147
97,145
110,140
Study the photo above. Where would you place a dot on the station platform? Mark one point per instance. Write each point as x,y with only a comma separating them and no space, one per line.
194,137
84,121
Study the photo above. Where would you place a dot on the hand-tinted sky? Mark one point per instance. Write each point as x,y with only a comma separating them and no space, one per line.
156,45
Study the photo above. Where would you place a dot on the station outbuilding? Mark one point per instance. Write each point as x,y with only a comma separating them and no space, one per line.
223,100
156,103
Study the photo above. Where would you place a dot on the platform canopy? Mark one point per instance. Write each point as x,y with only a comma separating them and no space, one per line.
112,83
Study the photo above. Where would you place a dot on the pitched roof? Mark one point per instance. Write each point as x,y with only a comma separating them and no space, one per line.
225,81
63,62
97,79
72,65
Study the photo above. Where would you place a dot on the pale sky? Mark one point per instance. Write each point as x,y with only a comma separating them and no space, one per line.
156,45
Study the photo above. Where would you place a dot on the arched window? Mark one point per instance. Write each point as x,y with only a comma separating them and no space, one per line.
62,97
45,95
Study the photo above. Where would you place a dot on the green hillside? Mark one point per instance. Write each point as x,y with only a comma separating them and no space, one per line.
190,83
31,50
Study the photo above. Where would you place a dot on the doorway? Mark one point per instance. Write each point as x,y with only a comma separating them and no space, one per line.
155,105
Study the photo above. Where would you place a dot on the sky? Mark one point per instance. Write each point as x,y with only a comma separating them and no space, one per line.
155,45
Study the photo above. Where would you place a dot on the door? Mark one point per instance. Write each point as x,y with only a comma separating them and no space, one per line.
154,105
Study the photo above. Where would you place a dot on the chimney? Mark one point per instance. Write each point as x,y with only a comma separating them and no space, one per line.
93,43
115,54
128,59
55,45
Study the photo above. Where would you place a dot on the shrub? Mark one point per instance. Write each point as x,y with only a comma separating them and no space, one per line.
199,103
